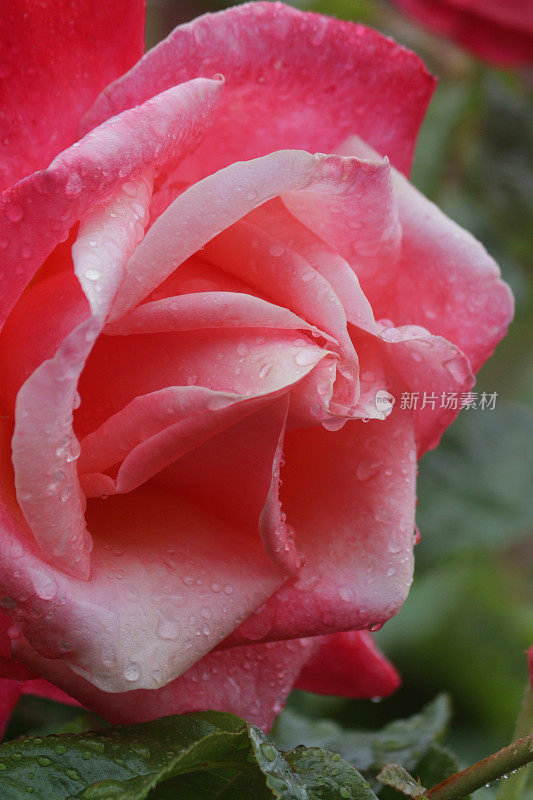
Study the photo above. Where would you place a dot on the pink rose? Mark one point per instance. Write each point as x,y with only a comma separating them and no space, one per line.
499,31
223,283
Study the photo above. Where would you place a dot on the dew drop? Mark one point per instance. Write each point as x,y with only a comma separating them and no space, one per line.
73,185
265,369
368,469
14,212
91,274
132,672
391,335
168,630
456,368
268,751
306,357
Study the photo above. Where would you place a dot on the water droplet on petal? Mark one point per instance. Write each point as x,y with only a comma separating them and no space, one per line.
14,212
132,672
368,469
306,357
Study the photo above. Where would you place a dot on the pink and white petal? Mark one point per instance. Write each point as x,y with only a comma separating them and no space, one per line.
44,445
212,205
274,216
196,275
269,54
349,665
350,497
168,583
150,414
276,535
264,261
214,309
252,682
38,212
447,282
432,369
355,212
54,64
235,361
164,448
55,305
235,475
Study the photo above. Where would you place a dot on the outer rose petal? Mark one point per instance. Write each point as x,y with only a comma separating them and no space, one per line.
432,368
349,665
350,496
55,60
252,682
447,282
16,679
38,212
500,31
44,446
168,583
10,692
269,53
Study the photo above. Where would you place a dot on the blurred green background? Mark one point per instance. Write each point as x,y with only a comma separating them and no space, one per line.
469,619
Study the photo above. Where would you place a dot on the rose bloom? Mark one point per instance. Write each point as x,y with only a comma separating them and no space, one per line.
211,300
499,31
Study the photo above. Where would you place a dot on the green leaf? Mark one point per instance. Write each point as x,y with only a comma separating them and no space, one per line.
404,742
436,765
327,776
398,778
205,756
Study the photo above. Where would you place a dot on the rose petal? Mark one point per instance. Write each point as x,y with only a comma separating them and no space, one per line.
16,679
350,497
235,475
38,212
44,446
274,216
252,682
54,64
168,582
355,212
10,692
432,369
216,309
268,264
238,361
269,53
210,206
447,282
349,665
500,31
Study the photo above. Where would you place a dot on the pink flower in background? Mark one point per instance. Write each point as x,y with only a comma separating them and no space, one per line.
498,31
211,301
